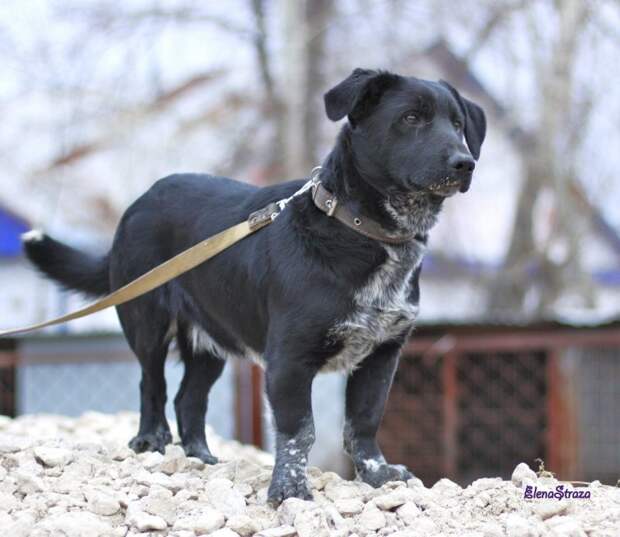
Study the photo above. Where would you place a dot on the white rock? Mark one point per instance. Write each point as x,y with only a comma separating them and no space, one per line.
565,526
349,506
160,502
72,524
224,498
144,521
408,512
517,526
289,508
204,520
371,518
425,526
101,503
22,525
335,519
8,502
28,483
445,486
224,532
243,525
12,443
51,456
174,460
311,523
523,474
341,490
395,498
547,508
280,531
152,459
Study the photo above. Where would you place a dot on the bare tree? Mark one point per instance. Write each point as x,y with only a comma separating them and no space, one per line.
549,154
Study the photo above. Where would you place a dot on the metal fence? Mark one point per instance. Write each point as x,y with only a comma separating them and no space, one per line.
475,401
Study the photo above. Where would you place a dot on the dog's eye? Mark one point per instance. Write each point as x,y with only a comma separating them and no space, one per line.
411,118
457,124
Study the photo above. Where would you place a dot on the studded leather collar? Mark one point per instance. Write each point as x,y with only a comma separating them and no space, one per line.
327,202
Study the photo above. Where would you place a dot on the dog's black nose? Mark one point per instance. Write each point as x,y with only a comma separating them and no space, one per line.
461,163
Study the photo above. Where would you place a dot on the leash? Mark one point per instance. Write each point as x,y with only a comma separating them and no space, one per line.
179,264
208,248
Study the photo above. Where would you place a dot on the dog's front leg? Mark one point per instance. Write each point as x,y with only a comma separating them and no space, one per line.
289,386
367,392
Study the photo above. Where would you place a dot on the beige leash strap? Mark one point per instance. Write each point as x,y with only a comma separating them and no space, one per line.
177,265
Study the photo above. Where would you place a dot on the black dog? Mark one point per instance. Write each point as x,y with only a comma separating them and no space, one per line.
306,293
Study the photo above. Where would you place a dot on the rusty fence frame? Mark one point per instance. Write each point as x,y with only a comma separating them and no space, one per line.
562,437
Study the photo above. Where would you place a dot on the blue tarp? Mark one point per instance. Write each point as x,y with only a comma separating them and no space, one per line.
11,227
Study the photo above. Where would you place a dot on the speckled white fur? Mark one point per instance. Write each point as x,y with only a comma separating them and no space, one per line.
382,308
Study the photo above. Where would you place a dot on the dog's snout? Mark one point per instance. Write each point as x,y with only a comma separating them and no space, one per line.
461,163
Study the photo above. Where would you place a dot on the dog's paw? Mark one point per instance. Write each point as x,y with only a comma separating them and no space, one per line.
156,441
286,485
377,473
200,451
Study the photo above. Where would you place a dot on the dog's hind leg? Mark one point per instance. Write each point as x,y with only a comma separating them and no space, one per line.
202,369
147,330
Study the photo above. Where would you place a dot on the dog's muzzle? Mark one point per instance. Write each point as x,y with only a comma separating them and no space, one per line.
449,186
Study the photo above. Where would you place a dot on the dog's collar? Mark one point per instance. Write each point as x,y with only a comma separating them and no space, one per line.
327,202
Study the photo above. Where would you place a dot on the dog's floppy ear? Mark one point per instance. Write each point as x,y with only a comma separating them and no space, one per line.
357,94
475,121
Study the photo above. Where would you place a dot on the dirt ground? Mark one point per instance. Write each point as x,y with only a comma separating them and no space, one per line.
75,477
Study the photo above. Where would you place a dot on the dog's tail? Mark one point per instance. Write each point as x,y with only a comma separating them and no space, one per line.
69,267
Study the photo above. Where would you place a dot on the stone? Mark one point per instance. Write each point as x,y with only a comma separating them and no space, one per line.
395,498
445,486
72,524
224,498
566,526
547,508
518,526
243,525
28,483
289,508
224,532
311,523
371,518
159,501
144,521
51,456
152,459
204,520
8,502
280,531
12,443
349,506
425,526
408,512
101,503
523,474
174,460
341,490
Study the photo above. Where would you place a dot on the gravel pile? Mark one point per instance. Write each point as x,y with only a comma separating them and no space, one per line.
75,477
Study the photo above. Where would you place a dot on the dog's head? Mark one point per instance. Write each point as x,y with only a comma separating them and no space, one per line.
409,134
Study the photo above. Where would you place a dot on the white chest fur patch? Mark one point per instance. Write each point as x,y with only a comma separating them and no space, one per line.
202,341
382,309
